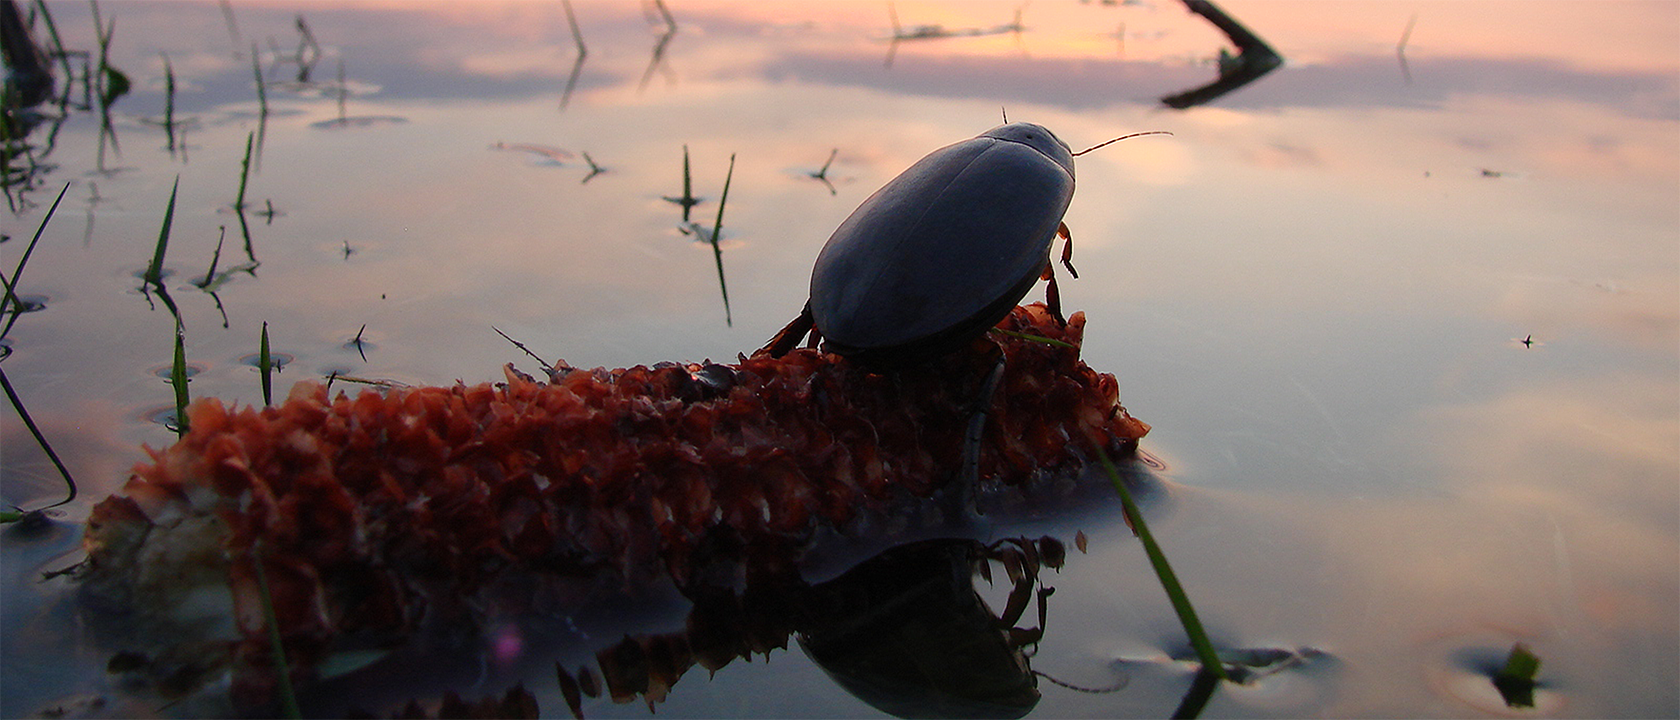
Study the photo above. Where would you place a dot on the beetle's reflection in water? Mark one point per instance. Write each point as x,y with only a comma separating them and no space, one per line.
906,631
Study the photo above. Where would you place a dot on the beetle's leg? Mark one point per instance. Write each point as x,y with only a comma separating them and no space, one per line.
1020,597
1067,249
1052,294
970,477
815,338
784,341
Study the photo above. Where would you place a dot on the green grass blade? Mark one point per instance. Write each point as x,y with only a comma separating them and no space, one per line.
1163,571
1029,337
40,439
265,364
154,272
178,378
688,186
245,170
58,44
717,250
215,260
11,300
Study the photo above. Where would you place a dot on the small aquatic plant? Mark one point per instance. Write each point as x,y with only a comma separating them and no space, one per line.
687,201
1515,681
594,169
822,174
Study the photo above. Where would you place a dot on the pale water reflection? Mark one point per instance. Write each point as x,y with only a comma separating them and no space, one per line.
1312,291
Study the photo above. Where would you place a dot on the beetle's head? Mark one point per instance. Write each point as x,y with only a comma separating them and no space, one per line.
1036,137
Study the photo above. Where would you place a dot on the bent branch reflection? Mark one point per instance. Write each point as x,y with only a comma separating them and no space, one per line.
1254,58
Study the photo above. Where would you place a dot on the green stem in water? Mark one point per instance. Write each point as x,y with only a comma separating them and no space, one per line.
1163,570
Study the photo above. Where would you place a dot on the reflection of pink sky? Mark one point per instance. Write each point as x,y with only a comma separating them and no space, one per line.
1534,490
1550,520
1610,35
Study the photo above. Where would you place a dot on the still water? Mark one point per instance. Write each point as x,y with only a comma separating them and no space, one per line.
1404,313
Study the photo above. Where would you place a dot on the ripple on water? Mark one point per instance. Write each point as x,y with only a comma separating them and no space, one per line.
279,359
168,371
1464,667
158,415
32,303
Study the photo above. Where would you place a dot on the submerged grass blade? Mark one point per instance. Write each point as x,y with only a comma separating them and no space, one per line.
169,101
1163,571
283,672
245,170
717,250
265,365
41,439
262,100
58,44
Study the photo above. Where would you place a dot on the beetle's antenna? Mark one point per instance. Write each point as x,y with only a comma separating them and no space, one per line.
1005,114
1122,137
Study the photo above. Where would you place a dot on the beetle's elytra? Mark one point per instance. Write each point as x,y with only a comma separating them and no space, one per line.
941,252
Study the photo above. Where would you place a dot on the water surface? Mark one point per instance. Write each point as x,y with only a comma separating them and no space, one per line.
1316,290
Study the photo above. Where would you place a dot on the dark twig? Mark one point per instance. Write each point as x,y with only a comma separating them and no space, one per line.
1400,49
582,52
545,366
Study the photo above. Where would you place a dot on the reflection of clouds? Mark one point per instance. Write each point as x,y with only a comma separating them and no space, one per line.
1607,446
84,434
1553,523
1643,315
523,51
1561,526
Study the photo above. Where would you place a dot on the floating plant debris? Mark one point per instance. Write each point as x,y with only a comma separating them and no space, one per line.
379,512
1515,681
